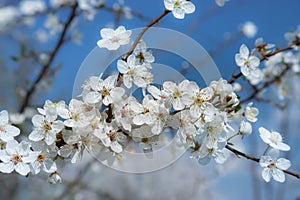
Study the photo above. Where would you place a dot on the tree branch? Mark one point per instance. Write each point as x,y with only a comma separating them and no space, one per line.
264,57
154,21
265,85
46,67
239,153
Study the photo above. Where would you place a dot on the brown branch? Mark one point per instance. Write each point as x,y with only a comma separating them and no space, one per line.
53,53
154,21
264,57
239,153
265,85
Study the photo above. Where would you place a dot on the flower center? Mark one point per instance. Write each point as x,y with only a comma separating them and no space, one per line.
47,126
198,101
141,57
41,158
247,63
105,92
272,165
177,93
177,4
16,158
1,129
160,116
131,72
112,136
75,116
115,39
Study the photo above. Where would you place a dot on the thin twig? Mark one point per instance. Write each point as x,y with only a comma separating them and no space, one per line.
265,85
154,21
53,54
239,153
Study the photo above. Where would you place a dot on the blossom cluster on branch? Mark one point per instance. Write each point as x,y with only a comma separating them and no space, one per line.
108,116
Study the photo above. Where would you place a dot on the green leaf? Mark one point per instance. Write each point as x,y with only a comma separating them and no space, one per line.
14,58
239,107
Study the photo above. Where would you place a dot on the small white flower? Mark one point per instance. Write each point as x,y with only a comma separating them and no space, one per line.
8,17
132,73
50,109
44,158
213,150
186,127
249,29
7,131
179,7
30,7
53,24
221,2
110,137
245,128
196,97
113,39
74,116
45,130
247,62
273,166
16,156
54,178
273,139
103,91
256,76
17,118
251,112
293,36
176,94
142,55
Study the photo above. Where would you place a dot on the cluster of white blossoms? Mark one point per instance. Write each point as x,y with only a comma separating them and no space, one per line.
107,116
259,68
269,161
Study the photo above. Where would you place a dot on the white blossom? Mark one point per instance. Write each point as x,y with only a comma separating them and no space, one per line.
132,73
249,29
16,156
30,7
53,24
44,158
7,17
142,55
179,7
54,178
246,62
105,91
221,2
176,94
273,139
251,112
44,129
273,166
74,115
113,39
7,131
245,128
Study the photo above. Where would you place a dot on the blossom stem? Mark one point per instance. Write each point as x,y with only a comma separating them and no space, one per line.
236,152
233,136
266,150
